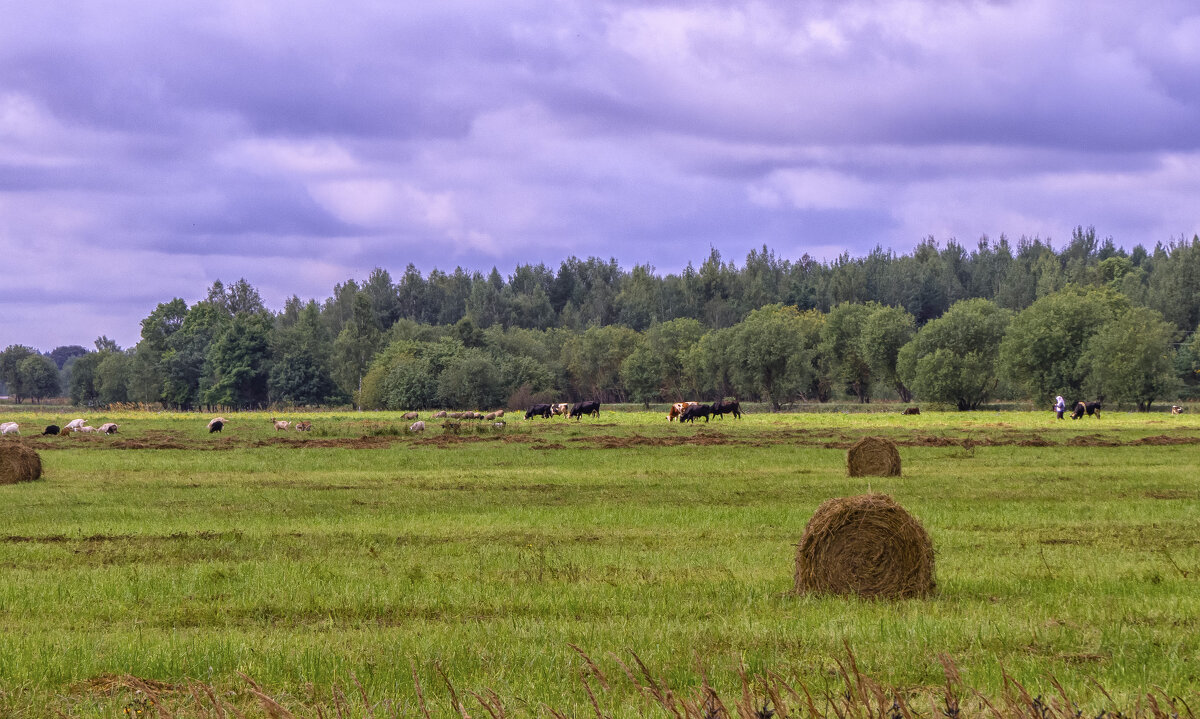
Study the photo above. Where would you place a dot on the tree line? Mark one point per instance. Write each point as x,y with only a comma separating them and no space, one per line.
938,325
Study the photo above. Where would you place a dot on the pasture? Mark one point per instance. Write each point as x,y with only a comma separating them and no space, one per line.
356,554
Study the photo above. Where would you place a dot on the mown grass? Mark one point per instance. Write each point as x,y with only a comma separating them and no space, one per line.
305,560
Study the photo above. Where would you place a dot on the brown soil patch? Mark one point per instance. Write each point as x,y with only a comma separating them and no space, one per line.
1092,440
1163,440
1171,494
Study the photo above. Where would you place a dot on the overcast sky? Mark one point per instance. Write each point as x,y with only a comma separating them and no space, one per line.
149,148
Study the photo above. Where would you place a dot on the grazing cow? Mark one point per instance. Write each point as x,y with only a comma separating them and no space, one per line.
10,428
582,408
539,410
911,410
561,408
440,414
75,424
52,429
677,409
1092,408
215,426
280,424
720,408
1176,409
410,415
108,428
418,426
1078,411
697,410
304,426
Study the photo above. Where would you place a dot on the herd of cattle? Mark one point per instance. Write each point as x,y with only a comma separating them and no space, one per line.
690,411
684,411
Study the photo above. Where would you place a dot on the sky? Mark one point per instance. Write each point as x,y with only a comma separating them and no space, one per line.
150,148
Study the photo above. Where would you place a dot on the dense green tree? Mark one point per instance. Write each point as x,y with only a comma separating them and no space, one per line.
62,354
111,378
1130,358
239,362
471,380
186,376
770,356
593,362
38,377
1041,351
82,389
842,350
880,338
355,345
643,373
10,366
952,358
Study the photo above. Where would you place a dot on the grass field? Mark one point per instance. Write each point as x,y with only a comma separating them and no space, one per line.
356,553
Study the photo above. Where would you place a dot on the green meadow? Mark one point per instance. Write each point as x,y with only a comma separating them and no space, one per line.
359,555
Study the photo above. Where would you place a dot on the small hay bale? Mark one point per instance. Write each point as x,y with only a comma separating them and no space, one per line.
873,457
865,545
18,463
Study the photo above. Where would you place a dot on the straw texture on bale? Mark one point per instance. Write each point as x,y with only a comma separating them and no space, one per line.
18,463
865,545
873,457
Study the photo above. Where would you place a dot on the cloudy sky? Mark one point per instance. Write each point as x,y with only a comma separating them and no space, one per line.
149,148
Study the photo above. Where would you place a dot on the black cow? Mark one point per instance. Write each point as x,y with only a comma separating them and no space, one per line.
1092,408
582,408
52,429
538,410
696,410
217,425
911,410
721,407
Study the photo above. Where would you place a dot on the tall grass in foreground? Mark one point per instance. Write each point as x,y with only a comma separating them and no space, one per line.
768,695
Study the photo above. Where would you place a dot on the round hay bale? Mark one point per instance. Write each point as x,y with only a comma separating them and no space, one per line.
873,457
865,545
18,463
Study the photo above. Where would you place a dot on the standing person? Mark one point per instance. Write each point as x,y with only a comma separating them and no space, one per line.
1060,406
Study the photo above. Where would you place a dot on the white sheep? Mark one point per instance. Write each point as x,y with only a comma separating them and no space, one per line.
10,428
280,424
75,424
86,429
108,428
418,426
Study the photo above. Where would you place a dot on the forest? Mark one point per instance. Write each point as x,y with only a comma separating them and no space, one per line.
942,325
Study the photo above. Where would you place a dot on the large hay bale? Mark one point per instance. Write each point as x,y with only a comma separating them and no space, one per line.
18,463
873,457
865,545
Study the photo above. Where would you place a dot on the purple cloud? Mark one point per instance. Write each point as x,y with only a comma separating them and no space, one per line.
148,149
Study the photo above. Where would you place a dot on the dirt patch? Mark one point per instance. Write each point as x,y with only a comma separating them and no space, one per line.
113,683
929,440
1092,440
1162,440
1171,494
1035,442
